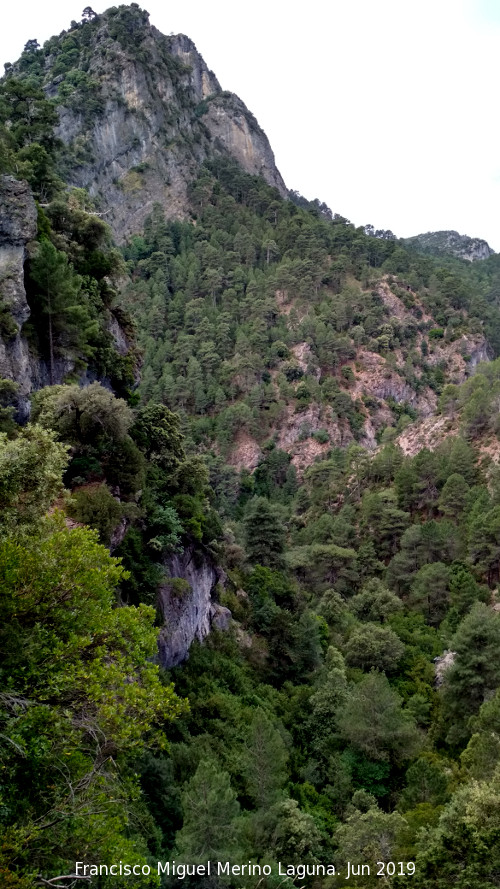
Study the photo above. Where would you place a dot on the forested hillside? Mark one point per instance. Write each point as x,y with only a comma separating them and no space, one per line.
249,509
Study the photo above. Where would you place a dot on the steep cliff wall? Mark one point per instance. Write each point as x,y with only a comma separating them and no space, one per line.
188,609
18,361
17,228
159,113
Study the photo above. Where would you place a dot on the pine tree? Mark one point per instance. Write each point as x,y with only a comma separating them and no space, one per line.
58,298
264,760
210,810
264,534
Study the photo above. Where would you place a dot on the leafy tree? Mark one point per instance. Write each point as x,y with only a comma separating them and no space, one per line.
482,754
80,690
372,646
295,837
326,702
375,602
157,432
83,414
97,508
369,838
31,468
464,849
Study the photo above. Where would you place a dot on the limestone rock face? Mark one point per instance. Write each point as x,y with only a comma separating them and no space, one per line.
18,220
17,212
188,610
163,114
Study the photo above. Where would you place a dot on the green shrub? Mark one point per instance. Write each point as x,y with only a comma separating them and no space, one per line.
321,435
95,506
179,587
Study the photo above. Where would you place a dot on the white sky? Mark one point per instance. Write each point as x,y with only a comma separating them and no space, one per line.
387,110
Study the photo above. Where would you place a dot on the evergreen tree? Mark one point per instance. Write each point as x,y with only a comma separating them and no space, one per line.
475,674
371,646
211,811
57,298
374,723
264,534
264,760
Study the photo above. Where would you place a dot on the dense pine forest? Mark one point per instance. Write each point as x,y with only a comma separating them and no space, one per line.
306,413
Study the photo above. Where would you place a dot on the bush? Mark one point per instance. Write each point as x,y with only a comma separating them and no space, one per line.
95,506
321,436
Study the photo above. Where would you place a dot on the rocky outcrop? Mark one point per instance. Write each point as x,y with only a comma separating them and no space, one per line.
375,377
428,433
18,223
451,243
187,605
163,113
442,665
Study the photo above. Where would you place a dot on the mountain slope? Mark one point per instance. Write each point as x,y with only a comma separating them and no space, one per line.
271,323
290,516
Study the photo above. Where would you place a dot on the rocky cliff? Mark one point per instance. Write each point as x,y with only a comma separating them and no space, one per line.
17,228
20,362
143,115
188,609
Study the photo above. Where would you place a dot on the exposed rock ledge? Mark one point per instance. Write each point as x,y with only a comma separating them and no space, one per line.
190,613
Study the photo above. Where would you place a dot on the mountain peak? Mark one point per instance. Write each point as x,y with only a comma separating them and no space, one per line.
139,112
451,243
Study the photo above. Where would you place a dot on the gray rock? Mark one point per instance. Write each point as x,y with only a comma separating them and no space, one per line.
18,223
18,214
442,664
188,610
220,617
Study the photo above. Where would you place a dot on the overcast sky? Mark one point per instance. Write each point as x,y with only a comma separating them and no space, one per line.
387,110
